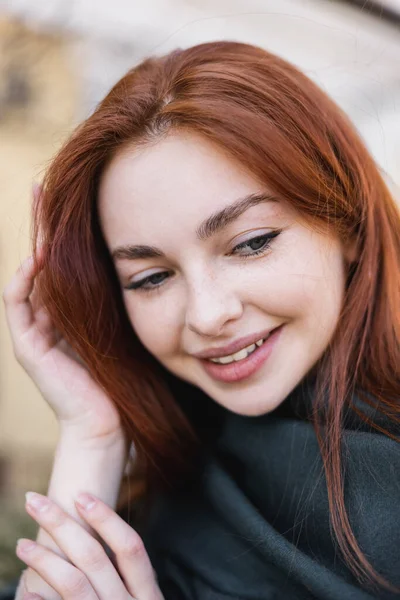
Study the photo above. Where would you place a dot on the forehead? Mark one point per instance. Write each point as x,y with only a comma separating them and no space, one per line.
173,183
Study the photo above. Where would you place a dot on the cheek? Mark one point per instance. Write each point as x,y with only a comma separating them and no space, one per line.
318,293
154,325
307,286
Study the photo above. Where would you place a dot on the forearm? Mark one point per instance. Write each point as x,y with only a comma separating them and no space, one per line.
76,468
88,468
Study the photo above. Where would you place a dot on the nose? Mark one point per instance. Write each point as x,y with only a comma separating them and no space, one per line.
210,306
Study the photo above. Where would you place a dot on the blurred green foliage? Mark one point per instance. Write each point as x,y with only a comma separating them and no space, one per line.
14,524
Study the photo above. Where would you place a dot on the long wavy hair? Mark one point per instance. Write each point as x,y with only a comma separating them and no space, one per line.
288,133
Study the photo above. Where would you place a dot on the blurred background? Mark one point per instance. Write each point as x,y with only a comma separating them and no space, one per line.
59,57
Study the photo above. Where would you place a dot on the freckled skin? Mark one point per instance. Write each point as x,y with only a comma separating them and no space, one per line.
157,196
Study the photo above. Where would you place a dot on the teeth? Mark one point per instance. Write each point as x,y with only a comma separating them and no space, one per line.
224,360
243,353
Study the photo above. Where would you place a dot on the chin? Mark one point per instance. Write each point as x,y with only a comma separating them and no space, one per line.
244,404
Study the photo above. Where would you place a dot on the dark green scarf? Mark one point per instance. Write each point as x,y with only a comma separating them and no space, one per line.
254,523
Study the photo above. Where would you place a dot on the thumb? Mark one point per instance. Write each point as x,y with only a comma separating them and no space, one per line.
36,191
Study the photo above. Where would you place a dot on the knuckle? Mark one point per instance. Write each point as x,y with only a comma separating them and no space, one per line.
101,516
39,555
55,517
92,557
19,354
6,294
77,586
132,546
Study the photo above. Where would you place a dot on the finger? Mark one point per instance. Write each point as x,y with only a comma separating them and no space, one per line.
63,577
43,321
36,191
19,312
31,596
81,548
132,559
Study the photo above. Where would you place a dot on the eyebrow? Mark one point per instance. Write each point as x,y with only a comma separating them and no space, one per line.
209,227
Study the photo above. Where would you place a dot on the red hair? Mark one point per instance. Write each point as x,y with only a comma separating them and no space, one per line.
291,136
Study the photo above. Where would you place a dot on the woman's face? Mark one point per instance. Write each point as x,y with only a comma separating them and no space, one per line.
204,274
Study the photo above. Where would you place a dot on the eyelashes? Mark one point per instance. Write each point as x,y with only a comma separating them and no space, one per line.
155,282
265,239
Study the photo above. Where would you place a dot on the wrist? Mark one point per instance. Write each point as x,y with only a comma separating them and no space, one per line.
86,466
76,436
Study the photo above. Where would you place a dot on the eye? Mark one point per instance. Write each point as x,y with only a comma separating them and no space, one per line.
149,283
257,245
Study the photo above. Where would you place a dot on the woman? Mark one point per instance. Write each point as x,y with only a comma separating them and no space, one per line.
218,283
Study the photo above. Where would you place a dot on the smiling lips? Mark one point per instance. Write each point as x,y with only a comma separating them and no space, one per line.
224,360
237,346
243,363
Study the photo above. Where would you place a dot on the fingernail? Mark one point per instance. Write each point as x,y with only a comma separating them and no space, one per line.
86,501
25,545
36,188
37,501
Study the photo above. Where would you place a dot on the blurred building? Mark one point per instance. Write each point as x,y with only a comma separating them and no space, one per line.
58,58
38,103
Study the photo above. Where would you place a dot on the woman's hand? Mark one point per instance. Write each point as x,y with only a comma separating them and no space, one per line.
90,574
58,372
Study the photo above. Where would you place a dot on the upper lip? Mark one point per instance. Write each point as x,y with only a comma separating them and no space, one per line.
234,346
